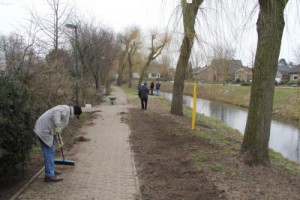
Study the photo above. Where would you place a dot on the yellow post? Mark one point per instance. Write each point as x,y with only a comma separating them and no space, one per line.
194,106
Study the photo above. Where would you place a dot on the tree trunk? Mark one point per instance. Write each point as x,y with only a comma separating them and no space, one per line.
121,68
189,11
129,72
143,72
270,26
97,83
120,74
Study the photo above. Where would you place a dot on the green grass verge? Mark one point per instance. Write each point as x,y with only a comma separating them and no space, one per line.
286,103
219,134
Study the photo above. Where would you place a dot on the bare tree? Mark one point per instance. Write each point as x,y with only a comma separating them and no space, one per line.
155,49
52,24
131,42
121,62
165,68
19,54
50,85
223,55
132,50
97,50
270,25
189,12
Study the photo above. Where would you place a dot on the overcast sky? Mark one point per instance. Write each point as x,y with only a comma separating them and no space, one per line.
213,26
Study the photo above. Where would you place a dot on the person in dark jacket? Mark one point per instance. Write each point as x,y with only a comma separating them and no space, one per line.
143,94
151,87
157,87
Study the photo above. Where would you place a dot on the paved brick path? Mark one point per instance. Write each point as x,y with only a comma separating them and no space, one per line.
104,167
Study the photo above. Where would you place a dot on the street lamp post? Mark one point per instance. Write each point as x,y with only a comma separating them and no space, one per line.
74,27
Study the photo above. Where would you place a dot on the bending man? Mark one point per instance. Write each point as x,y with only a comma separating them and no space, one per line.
47,127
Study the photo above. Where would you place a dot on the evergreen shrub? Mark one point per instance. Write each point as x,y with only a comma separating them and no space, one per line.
15,127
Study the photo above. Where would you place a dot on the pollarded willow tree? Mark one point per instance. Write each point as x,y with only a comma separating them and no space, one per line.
131,44
155,49
270,25
189,12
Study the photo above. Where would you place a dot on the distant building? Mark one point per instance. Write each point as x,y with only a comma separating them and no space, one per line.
152,75
283,71
135,75
243,74
295,73
219,70
149,75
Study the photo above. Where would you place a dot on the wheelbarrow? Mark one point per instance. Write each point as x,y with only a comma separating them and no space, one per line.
112,100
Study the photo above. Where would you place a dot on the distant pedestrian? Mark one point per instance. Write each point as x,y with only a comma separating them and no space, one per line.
143,94
157,87
48,127
151,87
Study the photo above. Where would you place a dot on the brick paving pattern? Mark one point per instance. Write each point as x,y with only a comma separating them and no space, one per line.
104,167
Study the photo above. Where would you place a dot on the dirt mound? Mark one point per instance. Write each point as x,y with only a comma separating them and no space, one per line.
164,164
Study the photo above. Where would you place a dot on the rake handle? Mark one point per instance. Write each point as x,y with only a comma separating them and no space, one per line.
62,152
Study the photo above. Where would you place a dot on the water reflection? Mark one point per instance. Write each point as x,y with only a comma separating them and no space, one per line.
284,138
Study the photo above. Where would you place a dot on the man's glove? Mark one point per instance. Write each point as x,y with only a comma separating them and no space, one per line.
60,143
58,137
57,130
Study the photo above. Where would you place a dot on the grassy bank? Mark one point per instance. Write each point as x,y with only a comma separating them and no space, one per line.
286,102
170,157
210,124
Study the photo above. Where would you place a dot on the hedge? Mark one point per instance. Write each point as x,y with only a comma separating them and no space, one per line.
15,126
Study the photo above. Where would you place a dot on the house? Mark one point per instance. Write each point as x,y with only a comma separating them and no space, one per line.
135,75
153,72
220,70
152,75
294,74
149,75
283,71
243,74
204,73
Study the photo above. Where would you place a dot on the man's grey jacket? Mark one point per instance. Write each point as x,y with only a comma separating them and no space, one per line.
56,117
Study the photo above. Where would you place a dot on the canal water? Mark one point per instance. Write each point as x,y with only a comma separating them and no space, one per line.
284,138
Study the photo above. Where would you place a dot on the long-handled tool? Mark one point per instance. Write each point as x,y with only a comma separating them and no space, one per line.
62,161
